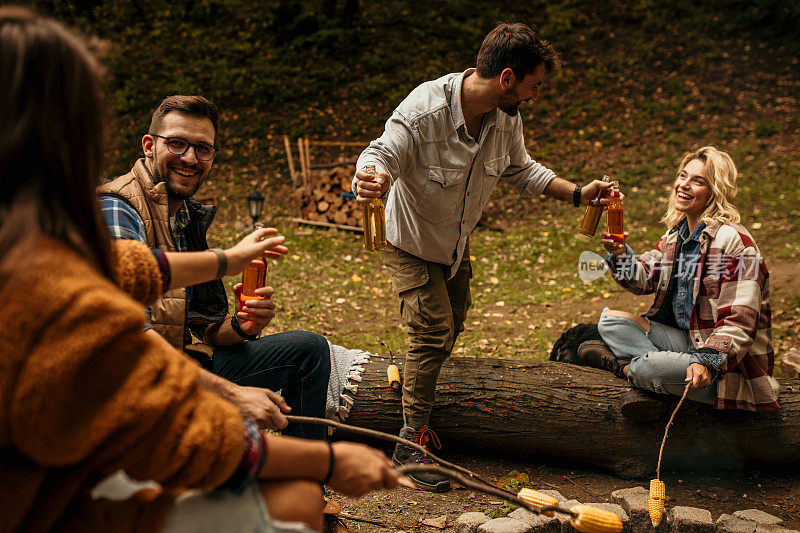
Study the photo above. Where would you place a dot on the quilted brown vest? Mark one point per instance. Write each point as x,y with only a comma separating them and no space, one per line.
150,201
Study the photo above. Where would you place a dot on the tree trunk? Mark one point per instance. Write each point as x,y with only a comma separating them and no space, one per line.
550,410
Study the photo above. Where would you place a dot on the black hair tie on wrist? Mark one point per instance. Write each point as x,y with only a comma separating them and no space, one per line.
576,196
237,328
331,463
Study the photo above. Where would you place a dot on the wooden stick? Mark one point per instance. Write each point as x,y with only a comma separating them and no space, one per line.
485,488
288,147
357,519
355,229
393,438
339,143
307,156
587,491
664,440
302,161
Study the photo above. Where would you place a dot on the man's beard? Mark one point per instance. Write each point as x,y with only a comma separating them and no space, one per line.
507,103
180,193
176,192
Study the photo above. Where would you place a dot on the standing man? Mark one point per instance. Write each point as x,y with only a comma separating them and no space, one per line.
441,154
154,204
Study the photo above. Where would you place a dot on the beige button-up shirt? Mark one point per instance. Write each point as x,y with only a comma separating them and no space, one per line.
441,177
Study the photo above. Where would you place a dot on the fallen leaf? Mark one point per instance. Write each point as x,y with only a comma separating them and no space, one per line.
332,507
440,522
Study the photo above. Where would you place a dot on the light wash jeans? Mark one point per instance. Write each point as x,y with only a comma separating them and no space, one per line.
658,358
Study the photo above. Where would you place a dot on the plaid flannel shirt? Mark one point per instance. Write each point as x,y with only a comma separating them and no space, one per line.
730,309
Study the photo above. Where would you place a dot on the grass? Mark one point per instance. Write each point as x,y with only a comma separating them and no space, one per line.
642,83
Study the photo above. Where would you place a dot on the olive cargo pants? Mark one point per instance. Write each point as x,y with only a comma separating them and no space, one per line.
434,309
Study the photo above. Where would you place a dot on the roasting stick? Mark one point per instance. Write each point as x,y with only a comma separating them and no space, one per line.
655,503
584,518
394,438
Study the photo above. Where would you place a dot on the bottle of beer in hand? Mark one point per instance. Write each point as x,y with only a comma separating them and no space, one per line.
592,216
254,276
374,220
614,215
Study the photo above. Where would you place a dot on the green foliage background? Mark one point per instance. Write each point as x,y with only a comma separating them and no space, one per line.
643,81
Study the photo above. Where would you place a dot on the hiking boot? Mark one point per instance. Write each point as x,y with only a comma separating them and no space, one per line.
641,407
406,455
597,354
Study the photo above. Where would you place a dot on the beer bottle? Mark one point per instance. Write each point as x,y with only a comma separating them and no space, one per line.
374,220
592,216
254,276
614,215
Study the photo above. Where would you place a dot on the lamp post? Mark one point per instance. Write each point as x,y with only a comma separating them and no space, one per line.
254,204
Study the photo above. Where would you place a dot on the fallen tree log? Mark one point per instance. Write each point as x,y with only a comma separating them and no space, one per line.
552,410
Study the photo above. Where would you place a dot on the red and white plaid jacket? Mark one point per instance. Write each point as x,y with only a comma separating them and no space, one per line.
730,309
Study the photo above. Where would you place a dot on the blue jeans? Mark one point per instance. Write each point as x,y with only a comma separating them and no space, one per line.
658,358
297,363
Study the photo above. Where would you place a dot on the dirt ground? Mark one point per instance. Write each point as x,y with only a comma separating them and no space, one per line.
775,490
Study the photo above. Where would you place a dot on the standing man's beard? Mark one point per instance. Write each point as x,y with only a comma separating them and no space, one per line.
507,104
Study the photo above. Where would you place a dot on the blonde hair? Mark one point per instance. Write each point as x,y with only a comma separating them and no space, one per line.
720,173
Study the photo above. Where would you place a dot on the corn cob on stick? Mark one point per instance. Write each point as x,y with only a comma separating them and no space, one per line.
392,372
592,520
393,375
538,499
655,503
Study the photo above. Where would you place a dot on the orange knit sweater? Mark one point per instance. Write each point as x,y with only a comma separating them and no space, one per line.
83,393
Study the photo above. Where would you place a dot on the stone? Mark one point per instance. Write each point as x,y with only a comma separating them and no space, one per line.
773,528
618,496
758,516
689,520
469,522
730,524
505,525
563,519
540,523
555,494
634,502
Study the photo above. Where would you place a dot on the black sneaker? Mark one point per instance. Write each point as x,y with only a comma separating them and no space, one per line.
597,354
405,455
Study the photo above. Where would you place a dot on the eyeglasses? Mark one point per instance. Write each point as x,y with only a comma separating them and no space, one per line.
179,146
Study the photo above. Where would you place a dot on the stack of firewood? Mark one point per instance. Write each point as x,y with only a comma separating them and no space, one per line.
321,198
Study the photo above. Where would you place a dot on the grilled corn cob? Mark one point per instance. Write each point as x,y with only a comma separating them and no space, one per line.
656,501
393,374
538,499
593,520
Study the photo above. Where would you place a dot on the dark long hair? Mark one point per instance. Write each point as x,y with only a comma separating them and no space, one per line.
52,115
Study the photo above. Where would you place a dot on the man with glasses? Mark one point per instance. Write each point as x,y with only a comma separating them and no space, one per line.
154,204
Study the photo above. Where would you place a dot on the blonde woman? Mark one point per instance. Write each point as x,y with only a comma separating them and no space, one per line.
710,320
